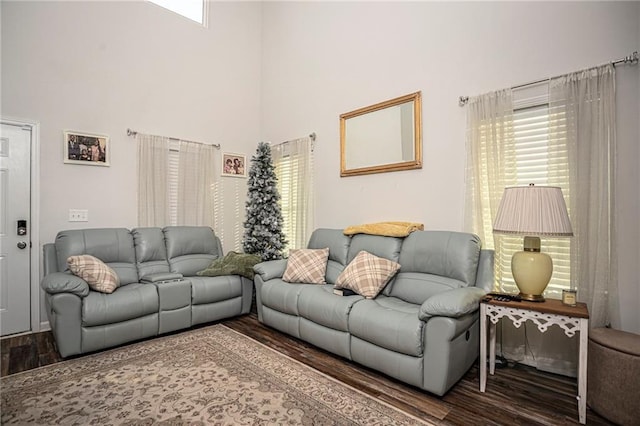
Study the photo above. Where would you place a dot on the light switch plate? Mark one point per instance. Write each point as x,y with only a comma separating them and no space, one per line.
78,215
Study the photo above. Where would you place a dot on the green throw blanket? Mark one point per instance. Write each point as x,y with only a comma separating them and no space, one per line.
232,264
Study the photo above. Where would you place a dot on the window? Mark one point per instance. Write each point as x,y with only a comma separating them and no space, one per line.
286,172
293,163
541,160
172,181
192,9
175,181
522,142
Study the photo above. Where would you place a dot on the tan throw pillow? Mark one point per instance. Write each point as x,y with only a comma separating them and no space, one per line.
307,266
95,272
367,274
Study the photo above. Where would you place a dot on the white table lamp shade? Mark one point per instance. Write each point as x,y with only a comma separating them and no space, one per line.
533,210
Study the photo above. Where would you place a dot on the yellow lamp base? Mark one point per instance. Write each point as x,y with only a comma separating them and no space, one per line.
532,271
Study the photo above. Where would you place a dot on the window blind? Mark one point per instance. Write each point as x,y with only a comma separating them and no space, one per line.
293,162
172,181
540,159
287,170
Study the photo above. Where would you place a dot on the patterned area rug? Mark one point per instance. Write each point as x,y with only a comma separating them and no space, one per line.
212,375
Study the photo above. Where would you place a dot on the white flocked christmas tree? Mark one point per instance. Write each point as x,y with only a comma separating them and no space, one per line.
263,225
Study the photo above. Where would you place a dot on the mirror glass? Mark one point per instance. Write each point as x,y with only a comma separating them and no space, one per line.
380,138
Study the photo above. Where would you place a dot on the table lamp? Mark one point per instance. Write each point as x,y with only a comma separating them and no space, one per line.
532,211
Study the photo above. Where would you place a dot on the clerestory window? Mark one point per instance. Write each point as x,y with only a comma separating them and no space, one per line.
191,9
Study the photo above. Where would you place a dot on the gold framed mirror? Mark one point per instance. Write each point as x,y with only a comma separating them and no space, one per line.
385,137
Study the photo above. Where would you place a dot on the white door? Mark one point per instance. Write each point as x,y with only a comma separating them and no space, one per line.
15,229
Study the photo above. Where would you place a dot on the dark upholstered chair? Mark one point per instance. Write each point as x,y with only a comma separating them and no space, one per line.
613,375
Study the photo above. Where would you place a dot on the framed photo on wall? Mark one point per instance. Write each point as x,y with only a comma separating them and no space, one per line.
234,165
86,148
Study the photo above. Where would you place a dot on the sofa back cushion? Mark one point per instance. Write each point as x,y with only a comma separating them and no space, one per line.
151,253
338,245
113,246
387,247
435,261
191,249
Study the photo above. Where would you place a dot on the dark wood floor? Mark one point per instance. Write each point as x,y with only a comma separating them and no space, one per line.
516,395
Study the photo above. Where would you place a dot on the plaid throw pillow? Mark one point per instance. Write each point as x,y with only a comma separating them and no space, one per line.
367,274
95,272
307,266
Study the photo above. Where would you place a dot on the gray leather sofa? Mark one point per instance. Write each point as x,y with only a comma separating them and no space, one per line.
159,291
421,329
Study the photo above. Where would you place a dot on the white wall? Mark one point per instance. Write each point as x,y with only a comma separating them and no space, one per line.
106,66
321,59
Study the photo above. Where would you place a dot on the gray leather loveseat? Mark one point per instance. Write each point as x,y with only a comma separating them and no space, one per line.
159,290
421,329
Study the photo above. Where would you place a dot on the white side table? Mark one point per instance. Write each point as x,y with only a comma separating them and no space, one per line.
571,319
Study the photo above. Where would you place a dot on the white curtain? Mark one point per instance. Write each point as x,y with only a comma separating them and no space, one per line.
195,184
581,122
293,161
587,100
490,154
175,182
153,171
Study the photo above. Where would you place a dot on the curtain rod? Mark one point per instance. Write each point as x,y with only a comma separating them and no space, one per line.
312,136
133,133
631,59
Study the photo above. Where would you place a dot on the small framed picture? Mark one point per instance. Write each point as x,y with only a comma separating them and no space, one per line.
234,165
86,148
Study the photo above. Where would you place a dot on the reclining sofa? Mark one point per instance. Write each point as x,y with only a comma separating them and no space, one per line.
159,290
421,329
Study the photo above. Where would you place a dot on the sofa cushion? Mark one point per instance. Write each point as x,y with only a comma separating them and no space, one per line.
307,266
388,322
114,246
282,296
447,254
319,305
387,247
214,289
95,272
435,261
416,287
151,254
191,248
127,302
367,274
338,244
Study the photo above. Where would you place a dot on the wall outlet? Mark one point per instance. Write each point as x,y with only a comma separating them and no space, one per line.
77,215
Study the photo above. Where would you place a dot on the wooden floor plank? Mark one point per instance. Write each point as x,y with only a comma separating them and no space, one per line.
517,395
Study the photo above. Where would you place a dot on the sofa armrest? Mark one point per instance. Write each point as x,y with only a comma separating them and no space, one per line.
60,282
484,277
453,303
161,276
271,269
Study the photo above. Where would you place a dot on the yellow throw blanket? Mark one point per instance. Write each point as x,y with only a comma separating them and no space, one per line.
387,229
